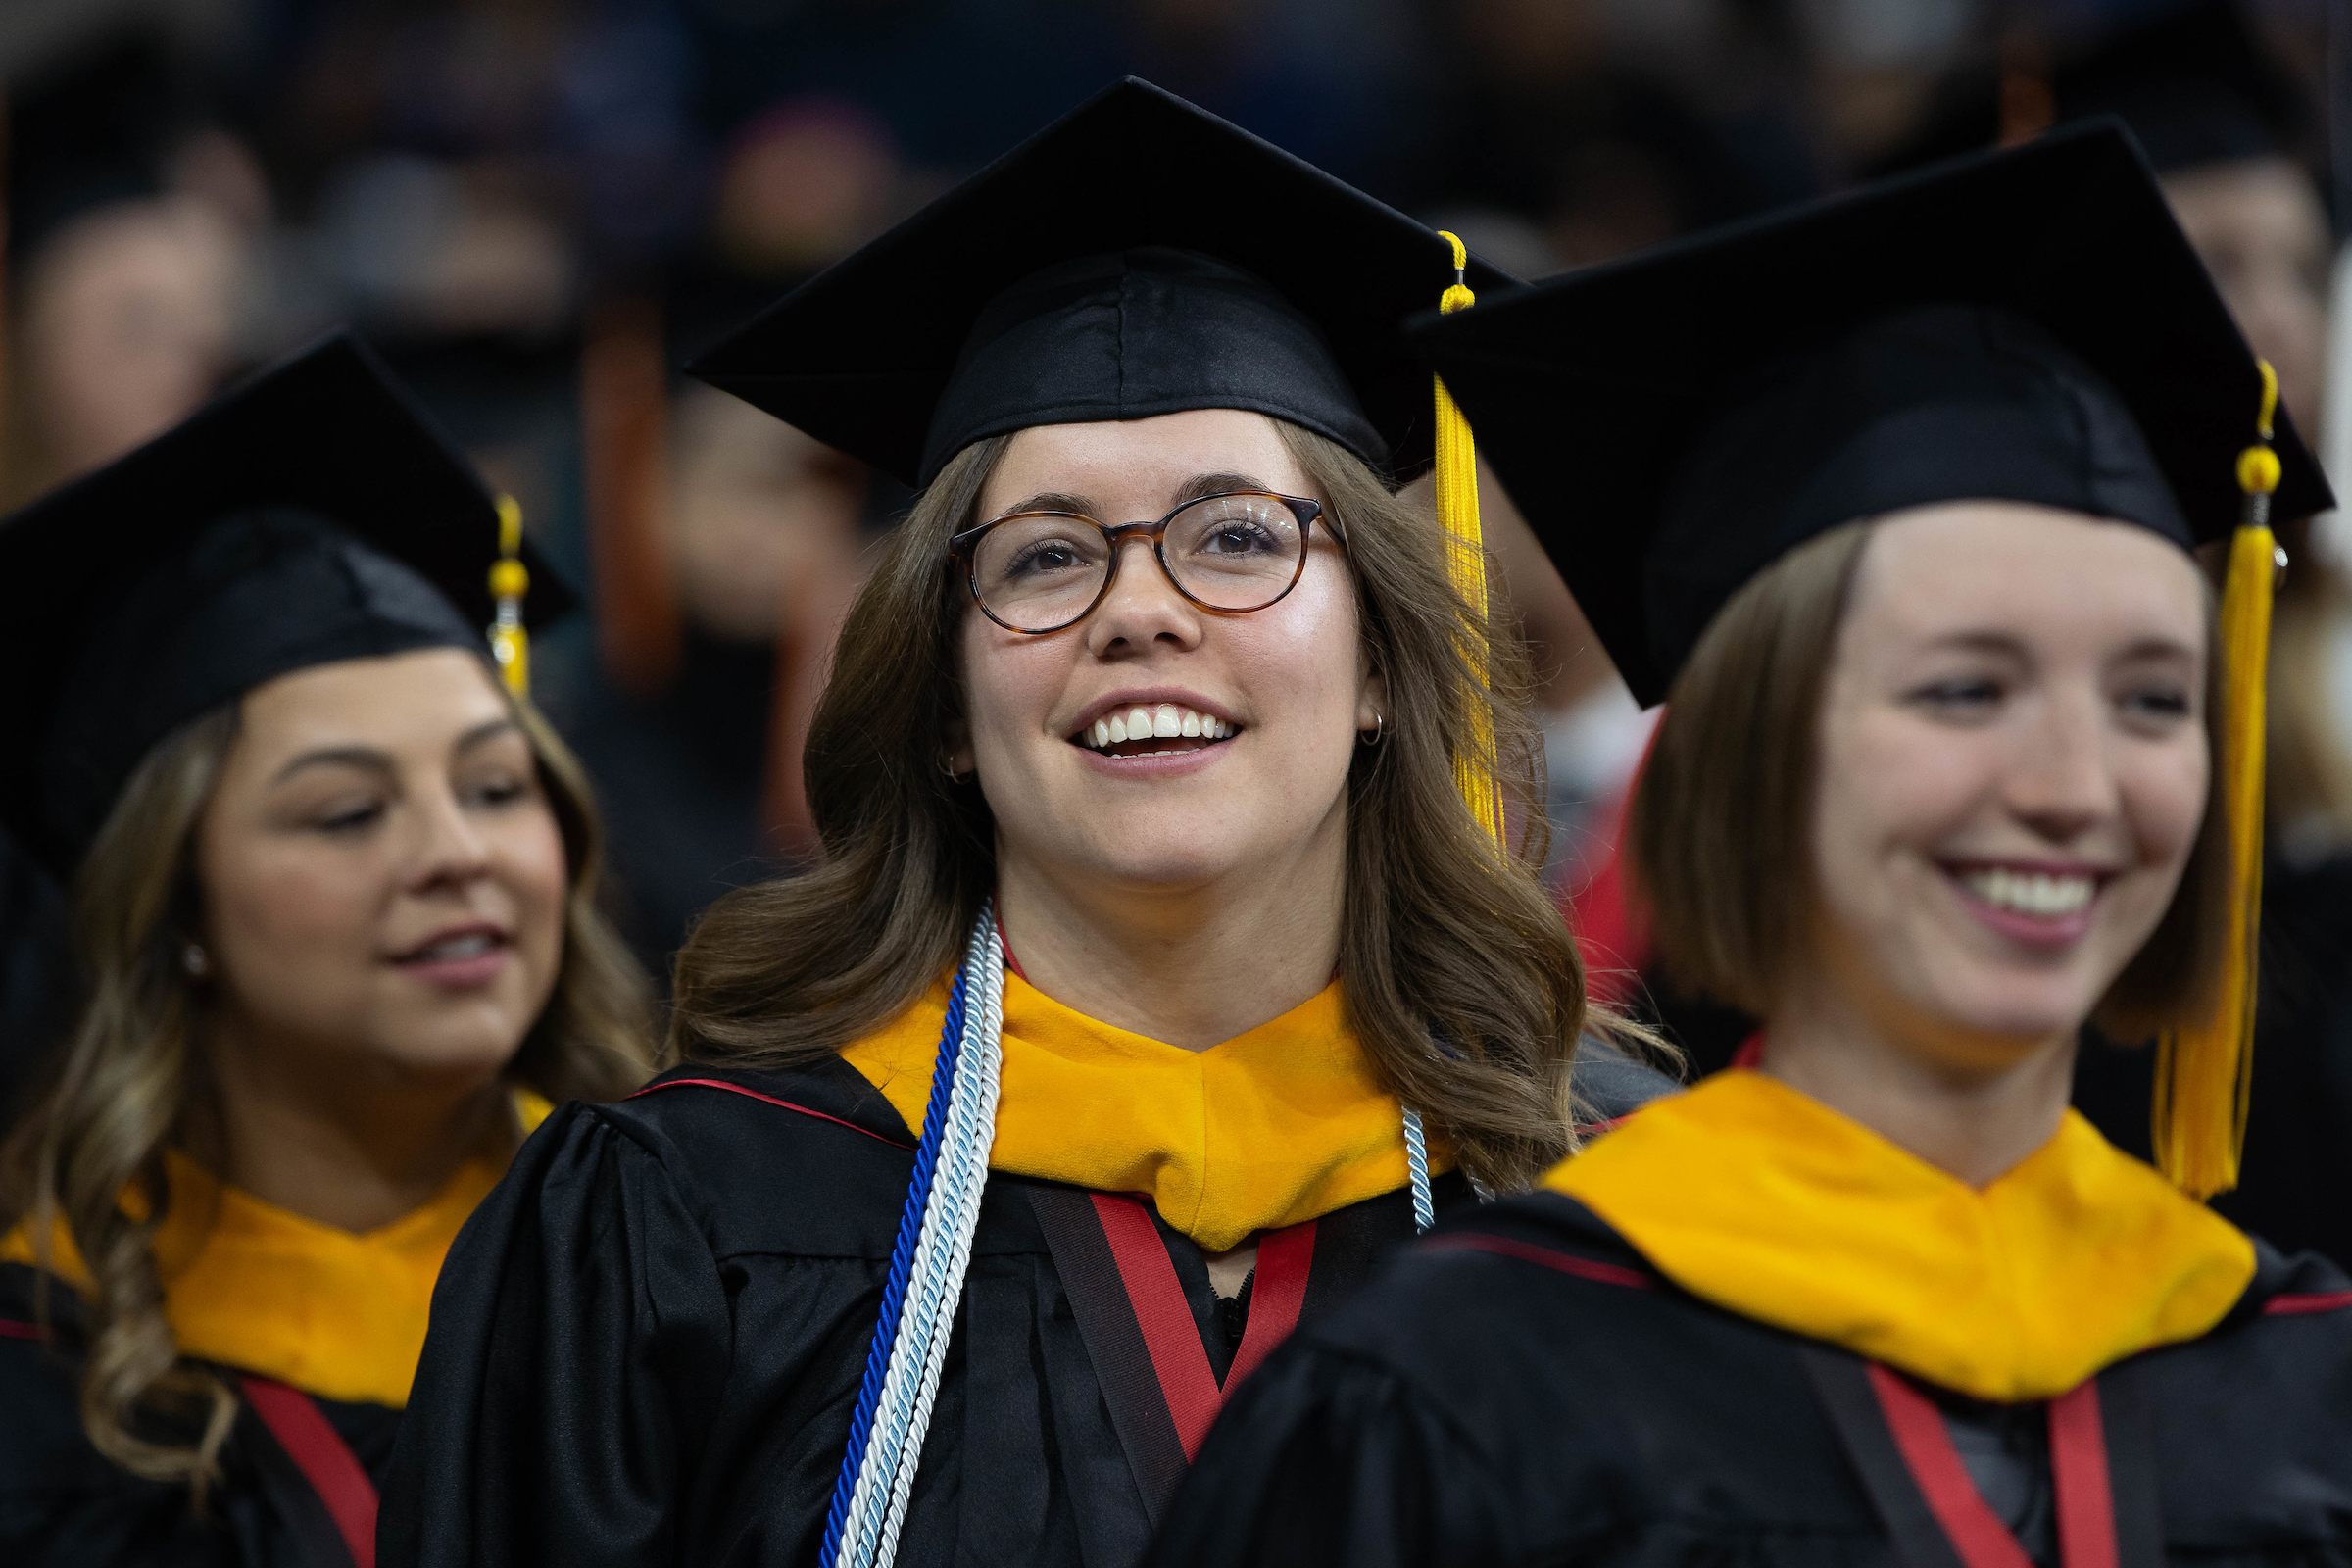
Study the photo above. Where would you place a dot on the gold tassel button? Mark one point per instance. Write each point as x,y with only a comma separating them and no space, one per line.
509,581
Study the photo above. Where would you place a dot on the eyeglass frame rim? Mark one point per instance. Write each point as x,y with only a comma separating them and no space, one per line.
963,547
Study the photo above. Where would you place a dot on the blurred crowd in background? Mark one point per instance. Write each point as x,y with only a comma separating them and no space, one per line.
540,208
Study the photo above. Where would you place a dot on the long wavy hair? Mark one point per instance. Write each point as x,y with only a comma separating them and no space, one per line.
129,1081
1458,975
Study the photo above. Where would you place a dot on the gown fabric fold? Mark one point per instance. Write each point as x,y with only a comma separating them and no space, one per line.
63,1504
647,1344
1521,1387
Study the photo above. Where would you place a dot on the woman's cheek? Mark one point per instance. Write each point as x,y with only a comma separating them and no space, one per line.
539,882
2165,799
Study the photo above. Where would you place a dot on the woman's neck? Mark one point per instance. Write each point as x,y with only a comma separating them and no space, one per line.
1192,967
347,1141
1970,1106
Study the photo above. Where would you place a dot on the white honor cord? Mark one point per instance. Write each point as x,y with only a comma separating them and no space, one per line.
943,1253
935,1285
1416,1168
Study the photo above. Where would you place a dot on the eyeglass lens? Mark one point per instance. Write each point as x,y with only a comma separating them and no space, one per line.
1236,551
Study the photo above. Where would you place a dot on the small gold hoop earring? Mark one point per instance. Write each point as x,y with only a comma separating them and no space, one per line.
947,766
1379,728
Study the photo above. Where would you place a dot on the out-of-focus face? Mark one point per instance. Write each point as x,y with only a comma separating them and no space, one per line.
383,877
129,322
2262,232
1266,705
2013,770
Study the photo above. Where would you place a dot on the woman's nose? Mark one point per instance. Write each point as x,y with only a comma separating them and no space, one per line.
2062,780
448,847
1142,607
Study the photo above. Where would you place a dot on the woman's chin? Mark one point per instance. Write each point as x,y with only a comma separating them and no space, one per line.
2029,1009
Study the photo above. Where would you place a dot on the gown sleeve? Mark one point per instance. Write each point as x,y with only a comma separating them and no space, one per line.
580,1338
1326,1458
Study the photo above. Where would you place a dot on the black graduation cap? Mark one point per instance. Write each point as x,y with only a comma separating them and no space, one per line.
2192,81
1137,257
2027,325
312,515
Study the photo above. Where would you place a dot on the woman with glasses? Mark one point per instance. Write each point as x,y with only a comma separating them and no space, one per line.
1159,973
1959,753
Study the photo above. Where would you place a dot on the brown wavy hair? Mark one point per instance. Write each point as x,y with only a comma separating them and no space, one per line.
1458,975
128,1082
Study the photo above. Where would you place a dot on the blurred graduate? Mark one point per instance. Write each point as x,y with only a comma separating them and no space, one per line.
2229,135
333,890
1901,492
1164,965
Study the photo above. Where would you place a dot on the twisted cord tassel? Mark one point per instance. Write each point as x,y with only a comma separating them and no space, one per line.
944,1250
1466,564
902,1262
1416,1169
924,1341
985,1049
2204,1072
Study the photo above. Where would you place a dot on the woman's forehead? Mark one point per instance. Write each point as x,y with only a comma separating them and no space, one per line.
2030,569
425,694
1152,463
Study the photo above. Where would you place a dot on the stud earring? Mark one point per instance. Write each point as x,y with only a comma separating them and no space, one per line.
195,960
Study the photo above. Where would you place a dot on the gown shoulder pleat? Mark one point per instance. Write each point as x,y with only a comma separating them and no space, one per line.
647,1344
1519,1388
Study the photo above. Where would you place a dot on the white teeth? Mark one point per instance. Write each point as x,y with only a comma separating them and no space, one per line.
2031,892
1166,721
455,949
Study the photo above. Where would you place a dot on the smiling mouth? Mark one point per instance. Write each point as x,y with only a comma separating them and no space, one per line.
1155,730
2024,899
457,947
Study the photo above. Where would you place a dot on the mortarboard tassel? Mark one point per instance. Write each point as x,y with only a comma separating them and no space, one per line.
509,581
2203,1072
1457,511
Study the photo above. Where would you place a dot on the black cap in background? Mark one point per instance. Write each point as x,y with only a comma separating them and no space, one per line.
313,515
1138,257
2027,325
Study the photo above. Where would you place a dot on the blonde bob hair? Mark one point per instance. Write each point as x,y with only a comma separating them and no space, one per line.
130,1082
1719,837
1457,973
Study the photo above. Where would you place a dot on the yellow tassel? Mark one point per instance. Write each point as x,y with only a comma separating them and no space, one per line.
2203,1072
510,582
1466,556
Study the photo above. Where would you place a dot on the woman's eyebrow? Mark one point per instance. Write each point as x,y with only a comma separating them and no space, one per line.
365,758
2157,647
1051,501
488,729
1216,484
1979,639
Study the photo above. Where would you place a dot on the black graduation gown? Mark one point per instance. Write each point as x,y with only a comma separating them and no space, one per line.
1521,1387
2295,1181
646,1344
63,1504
